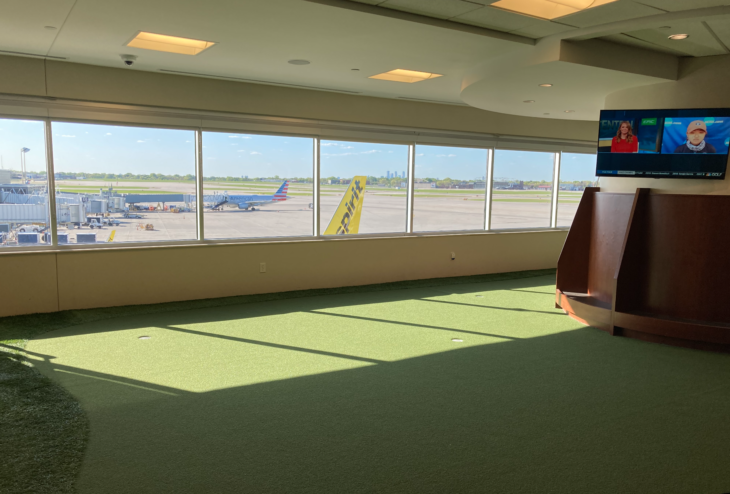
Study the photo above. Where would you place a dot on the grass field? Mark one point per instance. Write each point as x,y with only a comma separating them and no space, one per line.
468,385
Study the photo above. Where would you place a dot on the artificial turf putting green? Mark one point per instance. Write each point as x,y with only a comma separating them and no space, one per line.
366,392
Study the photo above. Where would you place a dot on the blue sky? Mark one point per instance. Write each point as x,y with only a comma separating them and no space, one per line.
238,155
450,162
15,134
116,149
580,167
119,149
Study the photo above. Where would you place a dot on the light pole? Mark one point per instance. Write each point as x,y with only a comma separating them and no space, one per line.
22,161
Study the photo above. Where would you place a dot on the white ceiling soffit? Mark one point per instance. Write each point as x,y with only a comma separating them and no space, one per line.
30,27
702,41
417,15
442,9
256,38
629,40
513,23
677,5
583,73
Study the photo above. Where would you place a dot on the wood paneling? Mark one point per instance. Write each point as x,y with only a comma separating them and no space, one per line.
610,218
660,263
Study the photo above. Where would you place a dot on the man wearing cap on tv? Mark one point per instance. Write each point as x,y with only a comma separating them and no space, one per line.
696,133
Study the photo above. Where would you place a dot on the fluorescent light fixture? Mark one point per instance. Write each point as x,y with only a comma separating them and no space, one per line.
403,75
545,85
548,9
529,101
679,36
170,44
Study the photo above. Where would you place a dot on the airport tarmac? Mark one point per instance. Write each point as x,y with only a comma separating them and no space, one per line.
381,214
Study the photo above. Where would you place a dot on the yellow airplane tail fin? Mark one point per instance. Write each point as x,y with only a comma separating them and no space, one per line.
346,219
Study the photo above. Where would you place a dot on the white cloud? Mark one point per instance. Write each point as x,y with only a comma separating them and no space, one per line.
108,134
67,136
329,144
337,154
420,154
445,155
255,152
347,147
140,141
239,137
241,151
370,152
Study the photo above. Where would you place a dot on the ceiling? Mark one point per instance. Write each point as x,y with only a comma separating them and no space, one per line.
465,40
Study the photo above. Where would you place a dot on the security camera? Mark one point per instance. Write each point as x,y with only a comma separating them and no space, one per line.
129,60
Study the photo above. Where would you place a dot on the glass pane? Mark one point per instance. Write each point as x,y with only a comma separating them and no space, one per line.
124,184
257,185
24,214
449,189
379,205
577,171
522,189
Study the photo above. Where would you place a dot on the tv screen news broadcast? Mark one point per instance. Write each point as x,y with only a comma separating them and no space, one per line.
663,143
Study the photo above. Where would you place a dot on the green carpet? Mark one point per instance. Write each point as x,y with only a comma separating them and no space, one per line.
365,391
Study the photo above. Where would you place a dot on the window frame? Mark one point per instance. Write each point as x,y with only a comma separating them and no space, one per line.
199,121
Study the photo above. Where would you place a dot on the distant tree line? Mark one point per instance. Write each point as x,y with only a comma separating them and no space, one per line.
164,177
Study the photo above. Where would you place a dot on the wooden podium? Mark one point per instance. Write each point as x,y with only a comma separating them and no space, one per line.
650,266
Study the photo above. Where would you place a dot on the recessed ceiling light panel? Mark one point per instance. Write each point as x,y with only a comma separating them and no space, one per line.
529,101
169,44
299,62
679,36
545,85
548,9
403,75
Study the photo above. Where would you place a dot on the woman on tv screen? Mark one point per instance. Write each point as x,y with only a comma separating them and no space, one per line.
625,140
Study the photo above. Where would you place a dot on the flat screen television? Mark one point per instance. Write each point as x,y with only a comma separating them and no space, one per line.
663,143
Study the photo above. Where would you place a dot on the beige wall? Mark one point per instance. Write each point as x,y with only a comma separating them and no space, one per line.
28,283
164,274
703,83
128,86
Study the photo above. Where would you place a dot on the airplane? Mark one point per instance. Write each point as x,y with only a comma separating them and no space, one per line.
346,219
246,202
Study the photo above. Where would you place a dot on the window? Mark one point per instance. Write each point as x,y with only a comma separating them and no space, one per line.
449,189
257,185
380,207
522,189
577,171
118,184
24,213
